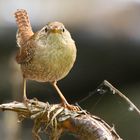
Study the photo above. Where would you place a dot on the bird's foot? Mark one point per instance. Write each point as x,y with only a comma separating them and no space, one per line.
70,107
26,102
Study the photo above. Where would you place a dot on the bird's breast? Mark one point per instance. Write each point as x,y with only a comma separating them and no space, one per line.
50,62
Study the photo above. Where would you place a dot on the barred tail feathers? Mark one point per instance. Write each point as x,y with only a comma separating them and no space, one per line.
24,27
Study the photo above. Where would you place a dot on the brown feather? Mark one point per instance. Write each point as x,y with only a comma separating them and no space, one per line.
26,52
24,27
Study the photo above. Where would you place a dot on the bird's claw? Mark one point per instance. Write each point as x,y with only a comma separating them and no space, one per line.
70,107
26,100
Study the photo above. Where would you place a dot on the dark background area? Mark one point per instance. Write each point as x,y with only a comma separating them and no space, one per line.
107,35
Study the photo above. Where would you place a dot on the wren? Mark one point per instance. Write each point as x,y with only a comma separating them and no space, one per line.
45,56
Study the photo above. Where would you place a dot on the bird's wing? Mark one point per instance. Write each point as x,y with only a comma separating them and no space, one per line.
25,53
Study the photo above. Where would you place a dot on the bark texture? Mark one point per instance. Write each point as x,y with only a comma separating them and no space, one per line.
54,120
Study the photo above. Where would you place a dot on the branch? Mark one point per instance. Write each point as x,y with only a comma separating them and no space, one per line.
114,90
106,87
55,119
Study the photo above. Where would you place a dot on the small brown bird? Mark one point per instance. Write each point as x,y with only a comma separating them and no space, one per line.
45,56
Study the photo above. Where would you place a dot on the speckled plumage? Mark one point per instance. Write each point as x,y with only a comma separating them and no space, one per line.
47,61
47,56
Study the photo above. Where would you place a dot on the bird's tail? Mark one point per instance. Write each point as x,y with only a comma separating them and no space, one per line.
24,26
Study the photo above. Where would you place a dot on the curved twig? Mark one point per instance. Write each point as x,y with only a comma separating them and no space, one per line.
55,119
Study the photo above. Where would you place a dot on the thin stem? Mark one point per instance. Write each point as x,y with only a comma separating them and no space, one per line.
106,83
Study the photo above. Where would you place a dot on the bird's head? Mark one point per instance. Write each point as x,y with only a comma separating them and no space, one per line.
55,27
54,31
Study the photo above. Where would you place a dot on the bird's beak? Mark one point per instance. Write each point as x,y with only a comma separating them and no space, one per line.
55,30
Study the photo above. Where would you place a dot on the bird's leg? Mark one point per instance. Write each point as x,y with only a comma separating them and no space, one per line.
24,89
25,99
64,101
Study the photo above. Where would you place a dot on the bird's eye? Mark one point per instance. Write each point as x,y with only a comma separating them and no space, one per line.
63,30
46,29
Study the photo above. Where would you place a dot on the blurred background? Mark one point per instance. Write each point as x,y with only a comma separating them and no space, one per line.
107,35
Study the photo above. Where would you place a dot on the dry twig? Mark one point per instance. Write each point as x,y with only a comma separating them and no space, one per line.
114,90
106,87
54,120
